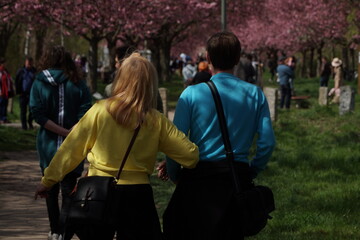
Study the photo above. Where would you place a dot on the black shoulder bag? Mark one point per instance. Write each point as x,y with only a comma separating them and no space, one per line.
91,200
255,203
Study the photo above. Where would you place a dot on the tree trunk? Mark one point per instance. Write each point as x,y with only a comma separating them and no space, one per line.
112,50
353,60
93,64
160,57
345,57
319,63
303,67
311,63
40,35
164,62
6,30
155,58
359,70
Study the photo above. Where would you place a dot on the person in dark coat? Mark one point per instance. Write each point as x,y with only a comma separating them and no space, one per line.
325,72
6,91
24,80
203,75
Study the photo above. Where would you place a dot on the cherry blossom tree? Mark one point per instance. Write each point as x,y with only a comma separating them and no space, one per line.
93,20
164,23
8,23
296,26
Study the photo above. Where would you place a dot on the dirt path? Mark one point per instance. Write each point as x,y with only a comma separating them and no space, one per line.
21,217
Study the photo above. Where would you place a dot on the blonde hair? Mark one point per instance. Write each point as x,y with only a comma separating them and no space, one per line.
134,91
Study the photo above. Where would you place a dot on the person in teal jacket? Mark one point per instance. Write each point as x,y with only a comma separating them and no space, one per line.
58,99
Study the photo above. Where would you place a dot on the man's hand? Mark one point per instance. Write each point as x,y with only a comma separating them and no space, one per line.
162,172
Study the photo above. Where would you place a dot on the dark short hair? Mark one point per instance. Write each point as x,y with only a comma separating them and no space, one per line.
123,52
30,59
2,60
224,50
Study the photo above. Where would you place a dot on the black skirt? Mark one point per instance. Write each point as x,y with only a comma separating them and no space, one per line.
203,204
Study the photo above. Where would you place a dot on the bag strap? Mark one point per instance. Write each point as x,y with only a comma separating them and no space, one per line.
225,133
128,152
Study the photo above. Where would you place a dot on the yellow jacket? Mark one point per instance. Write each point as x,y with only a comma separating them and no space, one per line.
103,141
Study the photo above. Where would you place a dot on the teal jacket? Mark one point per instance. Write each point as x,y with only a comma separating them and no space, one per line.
54,97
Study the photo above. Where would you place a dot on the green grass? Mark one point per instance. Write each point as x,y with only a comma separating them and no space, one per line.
13,139
175,88
313,172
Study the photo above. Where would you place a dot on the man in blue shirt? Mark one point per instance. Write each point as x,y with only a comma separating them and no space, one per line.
199,208
286,76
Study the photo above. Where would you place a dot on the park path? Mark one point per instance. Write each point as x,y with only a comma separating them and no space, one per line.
21,217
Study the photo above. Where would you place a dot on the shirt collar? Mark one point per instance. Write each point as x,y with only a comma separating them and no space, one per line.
222,75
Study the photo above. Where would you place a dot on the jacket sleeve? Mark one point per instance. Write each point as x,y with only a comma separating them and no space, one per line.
74,149
179,149
182,120
37,105
86,99
290,72
266,138
18,81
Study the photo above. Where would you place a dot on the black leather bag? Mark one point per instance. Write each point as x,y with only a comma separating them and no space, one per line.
254,204
91,202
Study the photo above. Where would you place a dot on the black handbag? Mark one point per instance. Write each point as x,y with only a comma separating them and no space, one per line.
254,204
91,201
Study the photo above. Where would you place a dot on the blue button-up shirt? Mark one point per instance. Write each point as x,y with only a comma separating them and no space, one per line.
247,115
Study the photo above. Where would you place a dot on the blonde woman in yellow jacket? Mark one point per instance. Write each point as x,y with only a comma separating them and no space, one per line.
103,135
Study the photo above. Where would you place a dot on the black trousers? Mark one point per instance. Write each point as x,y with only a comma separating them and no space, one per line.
136,215
57,216
285,96
24,103
203,204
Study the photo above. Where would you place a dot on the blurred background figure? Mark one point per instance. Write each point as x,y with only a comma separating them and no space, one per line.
6,91
291,62
285,73
188,71
325,72
203,75
120,54
272,66
24,80
338,80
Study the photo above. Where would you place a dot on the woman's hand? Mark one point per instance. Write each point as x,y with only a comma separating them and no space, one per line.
41,191
162,172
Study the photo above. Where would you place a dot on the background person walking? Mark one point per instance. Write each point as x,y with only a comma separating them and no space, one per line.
24,80
58,99
286,76
6,91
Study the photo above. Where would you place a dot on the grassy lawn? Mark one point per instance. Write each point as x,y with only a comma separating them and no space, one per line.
175,88
14,139
314,171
